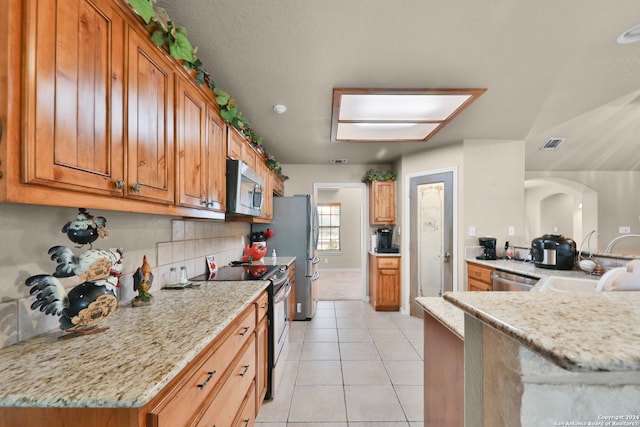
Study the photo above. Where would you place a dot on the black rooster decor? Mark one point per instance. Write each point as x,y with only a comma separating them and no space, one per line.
97,273
85,228
87,303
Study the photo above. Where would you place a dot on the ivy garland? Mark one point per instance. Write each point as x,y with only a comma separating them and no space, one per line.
165,34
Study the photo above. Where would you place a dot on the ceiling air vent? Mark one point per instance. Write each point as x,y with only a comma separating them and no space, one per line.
552,144
338,161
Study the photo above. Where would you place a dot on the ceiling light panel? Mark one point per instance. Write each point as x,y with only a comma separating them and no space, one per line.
385,131
400,107
395,114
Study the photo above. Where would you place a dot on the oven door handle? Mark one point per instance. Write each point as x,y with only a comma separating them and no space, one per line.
282,294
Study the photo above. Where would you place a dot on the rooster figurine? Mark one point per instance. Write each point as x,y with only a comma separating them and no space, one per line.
89,302
85,228
142,281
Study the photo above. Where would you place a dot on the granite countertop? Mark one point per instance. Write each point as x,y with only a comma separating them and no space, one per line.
446,313
384,253
578,331
127,365
529,269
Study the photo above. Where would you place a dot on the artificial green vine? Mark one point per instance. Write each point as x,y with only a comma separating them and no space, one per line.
378,175
165,33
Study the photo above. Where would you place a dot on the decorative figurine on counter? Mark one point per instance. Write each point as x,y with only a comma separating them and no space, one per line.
89,302
142,281
86,228
258,246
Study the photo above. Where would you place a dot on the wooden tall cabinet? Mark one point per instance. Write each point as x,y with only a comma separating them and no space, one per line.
384,282
150,107
382,202
73,115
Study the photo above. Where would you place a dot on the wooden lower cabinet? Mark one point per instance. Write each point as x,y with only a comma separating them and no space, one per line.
443,375
384,282
262,350
479,277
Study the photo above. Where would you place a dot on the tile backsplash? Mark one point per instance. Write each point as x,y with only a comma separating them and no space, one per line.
167,242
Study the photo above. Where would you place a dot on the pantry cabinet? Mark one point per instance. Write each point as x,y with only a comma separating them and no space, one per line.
384,282
382,202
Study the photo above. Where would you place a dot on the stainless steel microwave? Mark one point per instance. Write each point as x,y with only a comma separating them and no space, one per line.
244,189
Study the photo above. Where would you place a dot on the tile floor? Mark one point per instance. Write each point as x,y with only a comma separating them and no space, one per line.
351,367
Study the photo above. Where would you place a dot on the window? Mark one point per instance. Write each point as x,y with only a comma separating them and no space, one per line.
329,226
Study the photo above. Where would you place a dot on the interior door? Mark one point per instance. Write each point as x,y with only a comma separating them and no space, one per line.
431,236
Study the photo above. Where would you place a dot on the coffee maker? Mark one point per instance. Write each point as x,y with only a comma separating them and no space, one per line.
384,241
489,248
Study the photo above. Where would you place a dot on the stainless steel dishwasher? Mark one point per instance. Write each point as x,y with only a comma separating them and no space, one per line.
508,281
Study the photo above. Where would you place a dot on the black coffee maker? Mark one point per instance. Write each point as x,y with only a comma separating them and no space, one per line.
489,248
384,241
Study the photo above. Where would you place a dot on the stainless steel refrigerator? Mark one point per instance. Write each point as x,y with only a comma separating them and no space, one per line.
295,233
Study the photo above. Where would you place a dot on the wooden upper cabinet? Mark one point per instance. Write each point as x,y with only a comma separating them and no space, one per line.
217,162
201,150
239,148
191,141
73,105
382,202
150,149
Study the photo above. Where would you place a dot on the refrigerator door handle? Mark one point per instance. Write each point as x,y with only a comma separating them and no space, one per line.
315,260
315,276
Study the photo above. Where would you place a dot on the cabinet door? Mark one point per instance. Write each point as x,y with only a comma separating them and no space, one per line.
74,95
235,144
267,191
262,361
382,198
388,289
191,144
150,150
216,164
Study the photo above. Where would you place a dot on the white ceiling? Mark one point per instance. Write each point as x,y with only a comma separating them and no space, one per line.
551,68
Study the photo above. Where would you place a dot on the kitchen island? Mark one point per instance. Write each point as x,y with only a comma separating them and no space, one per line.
129,369
549,359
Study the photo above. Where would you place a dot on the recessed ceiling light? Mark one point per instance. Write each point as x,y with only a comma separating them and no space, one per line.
279,109
630,36
395,114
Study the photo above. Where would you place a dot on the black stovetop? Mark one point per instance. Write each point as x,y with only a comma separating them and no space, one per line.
239,273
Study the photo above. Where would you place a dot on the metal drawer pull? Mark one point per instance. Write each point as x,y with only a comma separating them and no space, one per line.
245,330
210,375
246,422
244,372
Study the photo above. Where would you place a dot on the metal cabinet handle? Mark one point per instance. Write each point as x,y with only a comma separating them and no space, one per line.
244,331
244,372
119,184
135,187
205,202
210,375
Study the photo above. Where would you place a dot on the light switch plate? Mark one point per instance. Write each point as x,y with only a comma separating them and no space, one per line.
624,229
512,231
472,230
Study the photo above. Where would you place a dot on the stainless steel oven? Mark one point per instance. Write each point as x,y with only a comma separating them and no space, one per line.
279,345
277,311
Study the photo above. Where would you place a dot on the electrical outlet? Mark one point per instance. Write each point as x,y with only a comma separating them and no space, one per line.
512,231
472,230
624,229
299,307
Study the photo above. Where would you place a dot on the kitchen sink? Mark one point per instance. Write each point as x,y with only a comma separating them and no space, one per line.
566,284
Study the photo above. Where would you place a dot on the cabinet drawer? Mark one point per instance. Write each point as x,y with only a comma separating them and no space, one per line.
476,285
180,409
262,305
224,407
479,272
248,414
388,262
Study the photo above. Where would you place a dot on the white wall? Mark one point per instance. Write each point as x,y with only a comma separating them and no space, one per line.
618,202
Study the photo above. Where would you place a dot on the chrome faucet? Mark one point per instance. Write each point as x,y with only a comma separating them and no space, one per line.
616,240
